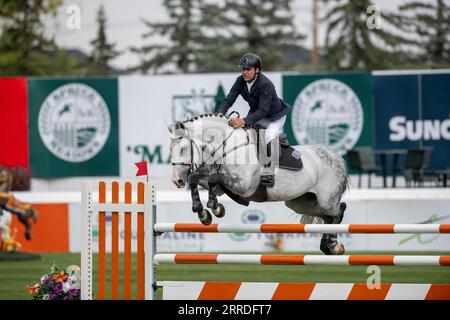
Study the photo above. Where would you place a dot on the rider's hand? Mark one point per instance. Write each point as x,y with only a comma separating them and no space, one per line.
237,122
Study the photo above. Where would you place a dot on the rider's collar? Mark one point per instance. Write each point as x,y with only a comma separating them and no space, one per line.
250,83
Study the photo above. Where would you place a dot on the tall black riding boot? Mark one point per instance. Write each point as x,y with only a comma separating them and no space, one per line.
267,175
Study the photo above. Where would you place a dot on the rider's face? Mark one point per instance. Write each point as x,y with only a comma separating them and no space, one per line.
248,73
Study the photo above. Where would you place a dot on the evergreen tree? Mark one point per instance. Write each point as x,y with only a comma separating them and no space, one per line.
430,21
264,27
219,98
350,44
182,31
103,51
24,49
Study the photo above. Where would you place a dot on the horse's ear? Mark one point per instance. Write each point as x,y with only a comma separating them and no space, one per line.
179,125
169,127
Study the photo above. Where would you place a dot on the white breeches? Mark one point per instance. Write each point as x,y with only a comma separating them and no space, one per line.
272,128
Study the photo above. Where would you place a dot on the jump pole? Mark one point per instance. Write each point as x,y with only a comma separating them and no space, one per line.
146,216
303,228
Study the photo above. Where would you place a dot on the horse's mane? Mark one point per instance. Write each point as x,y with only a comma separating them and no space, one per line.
205,115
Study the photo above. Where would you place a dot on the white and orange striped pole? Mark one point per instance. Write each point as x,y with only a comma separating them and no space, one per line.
304,228
295,259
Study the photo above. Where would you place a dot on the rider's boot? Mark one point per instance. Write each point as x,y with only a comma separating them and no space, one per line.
268,172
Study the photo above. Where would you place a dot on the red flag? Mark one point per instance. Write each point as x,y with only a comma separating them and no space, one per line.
142,169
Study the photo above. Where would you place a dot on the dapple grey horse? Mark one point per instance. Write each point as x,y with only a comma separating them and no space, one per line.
206,151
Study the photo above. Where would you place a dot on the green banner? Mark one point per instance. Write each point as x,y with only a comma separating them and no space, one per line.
73,127
334,110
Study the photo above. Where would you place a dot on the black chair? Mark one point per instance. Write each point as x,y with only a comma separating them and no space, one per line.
362,159
426,173
413,167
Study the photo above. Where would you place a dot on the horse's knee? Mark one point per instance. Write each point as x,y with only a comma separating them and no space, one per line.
193,179
215,178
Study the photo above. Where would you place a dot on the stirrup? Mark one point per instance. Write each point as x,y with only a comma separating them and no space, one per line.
267,180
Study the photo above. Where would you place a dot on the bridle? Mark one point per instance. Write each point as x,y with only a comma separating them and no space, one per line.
191,164
194,166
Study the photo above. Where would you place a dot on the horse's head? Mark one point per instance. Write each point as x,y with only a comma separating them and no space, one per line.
192,143
180,149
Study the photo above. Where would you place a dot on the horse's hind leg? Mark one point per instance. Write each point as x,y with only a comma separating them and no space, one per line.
310,205
329,244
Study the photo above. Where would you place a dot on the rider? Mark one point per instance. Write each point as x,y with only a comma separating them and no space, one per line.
266,108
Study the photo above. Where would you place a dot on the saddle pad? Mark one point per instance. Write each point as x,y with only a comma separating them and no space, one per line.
290,159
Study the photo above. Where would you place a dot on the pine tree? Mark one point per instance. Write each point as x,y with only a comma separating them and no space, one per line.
183,33
430,21
219,98
355,46
239,26
24,49
103,51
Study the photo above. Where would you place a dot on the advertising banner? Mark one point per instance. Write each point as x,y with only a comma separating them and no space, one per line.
73,127
333,110
13,129
50,233
149,103
412,111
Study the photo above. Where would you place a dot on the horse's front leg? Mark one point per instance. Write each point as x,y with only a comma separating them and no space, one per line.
217,208
203,214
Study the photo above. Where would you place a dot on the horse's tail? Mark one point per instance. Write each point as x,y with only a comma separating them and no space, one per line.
345,177
346,182
305,219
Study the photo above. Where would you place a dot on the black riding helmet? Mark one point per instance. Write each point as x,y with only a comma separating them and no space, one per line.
249,60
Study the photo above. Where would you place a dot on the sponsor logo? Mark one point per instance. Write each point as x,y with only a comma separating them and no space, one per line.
157,154
74,122
251,216
414,130
421,238
328,112
187,106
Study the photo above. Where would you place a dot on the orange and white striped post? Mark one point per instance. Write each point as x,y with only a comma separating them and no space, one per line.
144,209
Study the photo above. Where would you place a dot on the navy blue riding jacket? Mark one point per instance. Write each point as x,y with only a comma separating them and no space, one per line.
262,98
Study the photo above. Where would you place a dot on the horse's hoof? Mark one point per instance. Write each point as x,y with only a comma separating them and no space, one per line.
220,211
338,249
205,217
331,247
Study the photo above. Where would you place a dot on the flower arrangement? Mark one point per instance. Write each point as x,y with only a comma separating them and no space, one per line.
58,284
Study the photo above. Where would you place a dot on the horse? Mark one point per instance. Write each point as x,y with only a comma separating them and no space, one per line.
206,151
24,211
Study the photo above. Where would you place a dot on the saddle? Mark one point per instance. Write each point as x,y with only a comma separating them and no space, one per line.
289,158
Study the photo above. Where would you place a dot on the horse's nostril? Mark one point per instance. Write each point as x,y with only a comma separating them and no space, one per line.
180,181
